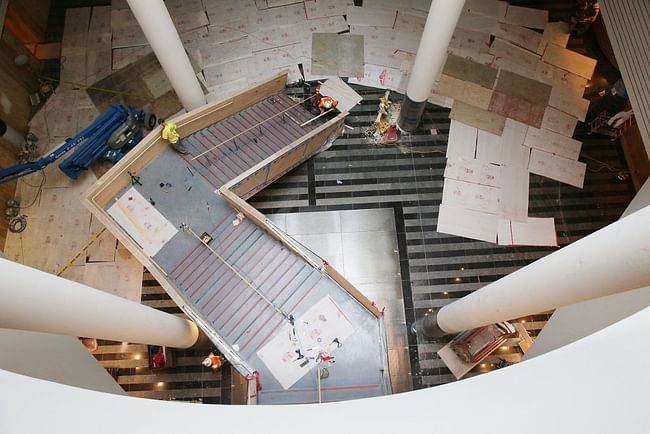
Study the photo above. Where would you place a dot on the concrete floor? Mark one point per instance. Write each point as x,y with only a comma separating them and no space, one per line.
362,245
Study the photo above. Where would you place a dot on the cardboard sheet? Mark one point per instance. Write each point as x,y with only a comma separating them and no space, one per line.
315,332
144,223
534,232
455,220
462,140
474,171
475,197
558,168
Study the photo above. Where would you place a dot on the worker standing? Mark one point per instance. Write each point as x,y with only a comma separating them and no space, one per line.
170,134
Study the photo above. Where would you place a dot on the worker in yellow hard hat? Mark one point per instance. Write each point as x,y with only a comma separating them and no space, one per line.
170,134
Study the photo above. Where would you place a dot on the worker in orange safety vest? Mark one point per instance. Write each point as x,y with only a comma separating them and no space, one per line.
212,361
326,103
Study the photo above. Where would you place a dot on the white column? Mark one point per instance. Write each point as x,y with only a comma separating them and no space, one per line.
429,60
33,300
11,135
611,260
157,25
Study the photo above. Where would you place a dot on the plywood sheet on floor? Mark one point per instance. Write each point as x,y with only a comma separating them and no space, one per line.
467,70
488,147
557,33
526,17
471,196
462,140
524,88
455,220
513,203
560,122
513,151
476,117
338,55
517,108
554,143
103,249
474,171
565,100
521,36
534,232
569,60
464,91
558,168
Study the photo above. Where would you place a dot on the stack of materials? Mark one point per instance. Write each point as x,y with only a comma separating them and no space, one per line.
515,104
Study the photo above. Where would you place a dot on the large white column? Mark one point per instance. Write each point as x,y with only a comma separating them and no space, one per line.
611,260
11,135
157,25
429,60
33,300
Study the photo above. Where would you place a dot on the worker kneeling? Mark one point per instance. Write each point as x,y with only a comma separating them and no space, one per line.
212,361
170,134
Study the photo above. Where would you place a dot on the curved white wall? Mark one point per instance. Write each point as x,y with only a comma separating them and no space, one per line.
599,384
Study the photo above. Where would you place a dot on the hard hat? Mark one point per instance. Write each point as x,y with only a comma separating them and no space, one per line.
207,362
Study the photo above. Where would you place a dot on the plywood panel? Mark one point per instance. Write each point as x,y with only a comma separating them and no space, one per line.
467,195
526,17
474,171
554,143
103,249
467,70
567,102
559,122
524,88
554,33
513,203
464,91
534,232
476,117
462,140
517,108
569,60
490,8
513,152
370,17
558,168
521,36
511,54
488,147
455,220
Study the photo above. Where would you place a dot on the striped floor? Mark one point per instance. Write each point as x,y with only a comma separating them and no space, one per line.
438,268
187,380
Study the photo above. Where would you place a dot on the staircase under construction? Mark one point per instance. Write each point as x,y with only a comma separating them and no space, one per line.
284,318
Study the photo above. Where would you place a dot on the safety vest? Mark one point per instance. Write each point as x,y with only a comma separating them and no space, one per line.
169,133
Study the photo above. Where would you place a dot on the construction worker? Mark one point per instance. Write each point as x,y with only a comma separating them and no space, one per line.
326,103
212,361
170,134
